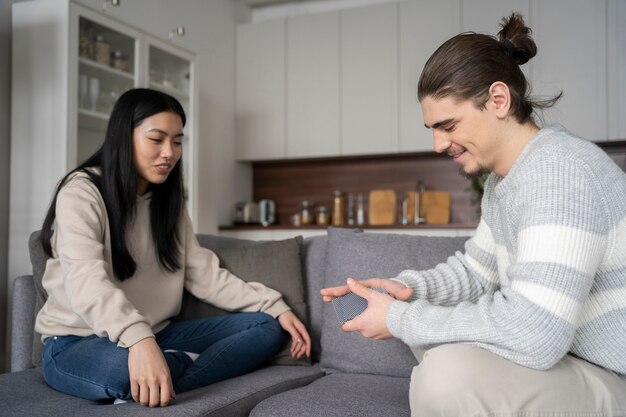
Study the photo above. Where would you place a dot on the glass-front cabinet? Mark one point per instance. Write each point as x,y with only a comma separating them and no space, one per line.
69,65
110,58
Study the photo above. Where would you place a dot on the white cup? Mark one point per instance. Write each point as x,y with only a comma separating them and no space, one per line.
94,92
83,89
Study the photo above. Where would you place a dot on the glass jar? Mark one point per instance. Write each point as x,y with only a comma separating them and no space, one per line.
85,47
119,61
102,51
306,213
322,217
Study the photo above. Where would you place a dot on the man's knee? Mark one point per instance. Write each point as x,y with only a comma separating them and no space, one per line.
446,372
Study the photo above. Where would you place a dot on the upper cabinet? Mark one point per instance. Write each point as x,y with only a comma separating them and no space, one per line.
571,38
313,85
369,79
616,60
70,64
345,83
260,97
424,25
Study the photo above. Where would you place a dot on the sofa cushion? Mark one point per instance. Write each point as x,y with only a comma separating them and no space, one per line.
26,394
341,395
276,264
352,253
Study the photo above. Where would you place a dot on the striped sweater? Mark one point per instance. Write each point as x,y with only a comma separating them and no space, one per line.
545,272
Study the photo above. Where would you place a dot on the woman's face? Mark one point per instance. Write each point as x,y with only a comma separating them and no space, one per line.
157,147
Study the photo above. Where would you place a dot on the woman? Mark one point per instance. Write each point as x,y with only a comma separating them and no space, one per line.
122,249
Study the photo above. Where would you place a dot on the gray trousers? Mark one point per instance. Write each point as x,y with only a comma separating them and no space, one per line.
467,381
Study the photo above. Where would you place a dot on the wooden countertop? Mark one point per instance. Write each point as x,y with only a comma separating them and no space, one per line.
364,227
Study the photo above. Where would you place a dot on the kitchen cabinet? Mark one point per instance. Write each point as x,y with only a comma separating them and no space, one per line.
369,80
616,59
424,25
327,84
260,96
572,57
69,66
313,85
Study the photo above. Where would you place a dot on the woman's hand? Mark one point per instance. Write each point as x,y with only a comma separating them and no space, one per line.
300,339
150,380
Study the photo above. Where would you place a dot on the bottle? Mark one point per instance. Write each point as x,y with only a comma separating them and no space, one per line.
351,220
360,210
321,216
306,215
339,205
418,195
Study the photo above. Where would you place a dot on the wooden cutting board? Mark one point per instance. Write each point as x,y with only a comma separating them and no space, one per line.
382,207
435,207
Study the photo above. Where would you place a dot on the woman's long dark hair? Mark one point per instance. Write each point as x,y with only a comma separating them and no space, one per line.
117,183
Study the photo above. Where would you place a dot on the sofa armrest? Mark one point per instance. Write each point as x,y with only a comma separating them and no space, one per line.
22,323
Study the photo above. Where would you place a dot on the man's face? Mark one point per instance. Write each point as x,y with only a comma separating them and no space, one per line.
463,131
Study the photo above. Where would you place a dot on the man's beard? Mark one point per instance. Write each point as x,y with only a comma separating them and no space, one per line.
475,174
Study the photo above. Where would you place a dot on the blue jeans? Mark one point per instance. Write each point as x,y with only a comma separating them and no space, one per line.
95,368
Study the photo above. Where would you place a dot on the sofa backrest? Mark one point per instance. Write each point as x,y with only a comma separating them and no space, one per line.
352,253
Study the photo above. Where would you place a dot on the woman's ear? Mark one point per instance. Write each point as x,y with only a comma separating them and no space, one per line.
500,99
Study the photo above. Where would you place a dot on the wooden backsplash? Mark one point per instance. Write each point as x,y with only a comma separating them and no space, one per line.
290,182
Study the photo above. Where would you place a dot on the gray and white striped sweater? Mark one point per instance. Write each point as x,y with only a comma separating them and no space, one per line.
545,272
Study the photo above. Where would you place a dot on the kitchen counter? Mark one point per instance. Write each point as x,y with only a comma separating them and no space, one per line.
277,232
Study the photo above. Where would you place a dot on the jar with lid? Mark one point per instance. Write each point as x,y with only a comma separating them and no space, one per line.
306,212
119,61
339,207
322,216
102,51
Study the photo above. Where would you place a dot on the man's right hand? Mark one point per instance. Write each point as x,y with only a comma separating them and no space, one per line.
150,380
395,288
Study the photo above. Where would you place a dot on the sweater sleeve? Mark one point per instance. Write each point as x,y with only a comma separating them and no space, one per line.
559,234
464,277
81,220
217,286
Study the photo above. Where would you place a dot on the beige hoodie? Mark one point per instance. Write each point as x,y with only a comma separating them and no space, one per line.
84,298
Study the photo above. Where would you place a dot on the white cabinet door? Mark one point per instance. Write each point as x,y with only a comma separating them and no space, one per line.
369,80
617,69
424,25
260,93
571,38
313,85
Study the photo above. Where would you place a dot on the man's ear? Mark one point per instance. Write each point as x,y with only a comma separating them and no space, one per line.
500,99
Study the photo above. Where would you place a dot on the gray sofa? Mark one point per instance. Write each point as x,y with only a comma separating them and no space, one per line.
349,375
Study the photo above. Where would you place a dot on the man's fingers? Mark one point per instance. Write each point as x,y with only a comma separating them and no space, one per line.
404,294
358,288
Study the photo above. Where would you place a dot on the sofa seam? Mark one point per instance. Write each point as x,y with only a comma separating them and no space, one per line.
316,377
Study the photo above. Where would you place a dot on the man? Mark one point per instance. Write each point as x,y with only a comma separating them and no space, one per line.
531,319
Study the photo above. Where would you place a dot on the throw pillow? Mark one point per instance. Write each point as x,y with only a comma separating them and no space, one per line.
38,259
276,264
352,253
